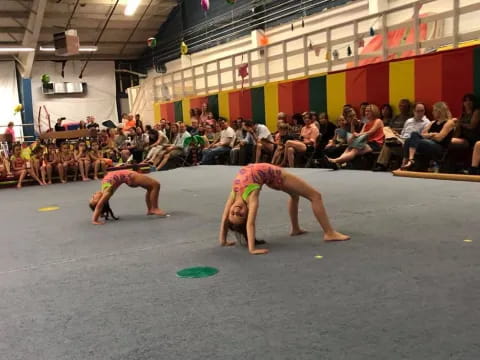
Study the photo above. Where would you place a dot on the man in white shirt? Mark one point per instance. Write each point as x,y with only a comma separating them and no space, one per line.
415,124
177,149
222,146
263,139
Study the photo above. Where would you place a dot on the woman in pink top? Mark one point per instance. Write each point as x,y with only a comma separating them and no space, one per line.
10,135
370,139
308,138
242,204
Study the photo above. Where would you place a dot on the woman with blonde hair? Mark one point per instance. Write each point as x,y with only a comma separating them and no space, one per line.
369,139
433,141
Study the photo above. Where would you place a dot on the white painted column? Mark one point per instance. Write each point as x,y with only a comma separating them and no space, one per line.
376,6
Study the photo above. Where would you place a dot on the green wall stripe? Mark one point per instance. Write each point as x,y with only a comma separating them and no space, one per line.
178,111
258,105
318,94
213,105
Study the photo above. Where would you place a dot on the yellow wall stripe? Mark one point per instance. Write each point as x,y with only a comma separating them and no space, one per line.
156,112
186,110
223,105
402,82
271,105
336,95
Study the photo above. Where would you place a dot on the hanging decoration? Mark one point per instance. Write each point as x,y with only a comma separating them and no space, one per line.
17,109
317,50
152,42
205,4
372,31
360,43
183,48
349,51
310,45
263,40
303,23
292,27
335,54
327,55
243,72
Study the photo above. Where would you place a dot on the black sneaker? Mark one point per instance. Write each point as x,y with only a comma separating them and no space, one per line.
379,167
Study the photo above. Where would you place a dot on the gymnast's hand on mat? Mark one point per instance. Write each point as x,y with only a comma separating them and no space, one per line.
228,243
258,251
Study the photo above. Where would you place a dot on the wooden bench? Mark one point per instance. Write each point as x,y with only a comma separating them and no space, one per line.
69,134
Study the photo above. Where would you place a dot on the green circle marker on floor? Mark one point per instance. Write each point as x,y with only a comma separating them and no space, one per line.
48,208
197,272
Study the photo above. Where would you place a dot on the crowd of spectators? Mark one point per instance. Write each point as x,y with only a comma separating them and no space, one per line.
409,140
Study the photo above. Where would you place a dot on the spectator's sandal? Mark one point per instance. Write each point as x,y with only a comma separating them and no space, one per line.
409,165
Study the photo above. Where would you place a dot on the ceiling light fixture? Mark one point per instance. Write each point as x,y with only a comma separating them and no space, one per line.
81,49
14,49
131,7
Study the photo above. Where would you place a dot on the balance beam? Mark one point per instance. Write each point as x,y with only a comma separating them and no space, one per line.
69,134
436,176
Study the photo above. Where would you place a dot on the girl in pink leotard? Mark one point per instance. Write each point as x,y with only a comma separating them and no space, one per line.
112,181
242,204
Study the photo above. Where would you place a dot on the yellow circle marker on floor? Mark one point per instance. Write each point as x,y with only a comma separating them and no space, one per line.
467,240
48,208
318,257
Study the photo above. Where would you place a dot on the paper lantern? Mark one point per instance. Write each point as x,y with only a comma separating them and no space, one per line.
152,42
372,31
183,48
205,4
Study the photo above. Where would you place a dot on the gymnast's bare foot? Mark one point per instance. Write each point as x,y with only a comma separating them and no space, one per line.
297,232
157,212
335,236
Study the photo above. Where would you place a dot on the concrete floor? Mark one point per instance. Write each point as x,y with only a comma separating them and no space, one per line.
406,286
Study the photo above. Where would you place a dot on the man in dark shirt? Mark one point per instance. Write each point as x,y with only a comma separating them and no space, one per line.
91,122
398,121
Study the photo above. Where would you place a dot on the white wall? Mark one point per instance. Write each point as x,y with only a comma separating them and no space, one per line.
100,100
9,97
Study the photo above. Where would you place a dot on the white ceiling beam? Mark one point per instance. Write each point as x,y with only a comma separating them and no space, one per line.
85,16
54,29
31,35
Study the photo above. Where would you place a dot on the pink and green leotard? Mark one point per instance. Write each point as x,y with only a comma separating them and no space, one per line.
254,176
116,178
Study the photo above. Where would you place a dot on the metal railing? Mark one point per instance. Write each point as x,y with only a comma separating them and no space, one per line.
295,57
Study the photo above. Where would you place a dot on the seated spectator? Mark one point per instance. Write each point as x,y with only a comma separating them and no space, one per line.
177,149
210,135
281,137
5,168
156,146
315,119
91,124
433,142
405,113
327,130
193,129
50,162
36,159
363,116
370,139
296,124
281,116
337,145
97,160
393,145
137,144
10,135
67,162
386,114
242,152
467,131
263,139
353,121
138,122
21,166
222,146
130,123
308,138
83,160
210,119
165,128
474,170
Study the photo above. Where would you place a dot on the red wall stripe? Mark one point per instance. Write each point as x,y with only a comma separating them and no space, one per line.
198,102
285,98
301,96
356,87
457,76
240,103
378,84
428,79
